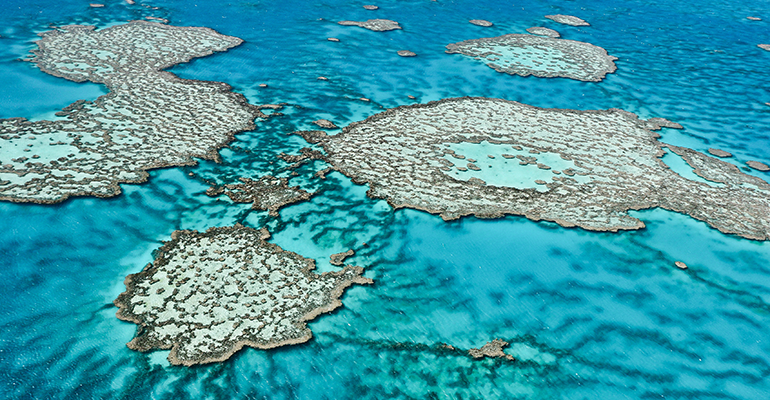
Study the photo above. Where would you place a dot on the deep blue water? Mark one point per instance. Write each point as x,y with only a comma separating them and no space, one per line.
588,315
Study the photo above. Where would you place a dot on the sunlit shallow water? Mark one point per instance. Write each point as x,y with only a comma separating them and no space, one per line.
588,315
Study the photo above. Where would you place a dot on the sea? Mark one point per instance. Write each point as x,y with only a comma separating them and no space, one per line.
587,315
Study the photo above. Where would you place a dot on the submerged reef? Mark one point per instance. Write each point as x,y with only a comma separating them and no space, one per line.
568,20
150,119
267,193
377,25
541,31
545,57
483,157
207,295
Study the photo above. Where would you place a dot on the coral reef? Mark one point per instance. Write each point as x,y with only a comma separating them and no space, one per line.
541,31
339,258
546,57
267,193
492,349
758,166
377,25
568,20
719,153
150,119
597,165
481,22
207,295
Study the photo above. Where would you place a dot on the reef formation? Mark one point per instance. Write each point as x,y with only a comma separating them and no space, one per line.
377,25
546,57
481,22
568,20
150,119
207,295
493,349
542,31
325,123
759,166
719,153
267,193
492,157
338,259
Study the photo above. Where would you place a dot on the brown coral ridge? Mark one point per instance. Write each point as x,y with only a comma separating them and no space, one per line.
338,259
399,153
758,166
267,193
207,295
306,154
120,136
493,349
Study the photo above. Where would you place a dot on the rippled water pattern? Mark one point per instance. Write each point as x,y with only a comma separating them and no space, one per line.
588,315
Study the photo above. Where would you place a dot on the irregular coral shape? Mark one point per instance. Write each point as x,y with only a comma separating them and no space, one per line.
338,259
481,22
541,31
325,123
719,153
493,349
377,25
758,166
568,20
547,57
150,119
602,163
207,295
267,193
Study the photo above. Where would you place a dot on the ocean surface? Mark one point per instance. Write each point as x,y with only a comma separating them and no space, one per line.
588,315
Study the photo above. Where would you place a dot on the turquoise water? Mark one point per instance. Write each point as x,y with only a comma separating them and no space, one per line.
495,169
588,315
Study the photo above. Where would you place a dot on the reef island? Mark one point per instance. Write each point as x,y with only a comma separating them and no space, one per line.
207,295
150,119
491,157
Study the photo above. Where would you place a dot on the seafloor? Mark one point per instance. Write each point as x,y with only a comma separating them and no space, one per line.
587,315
